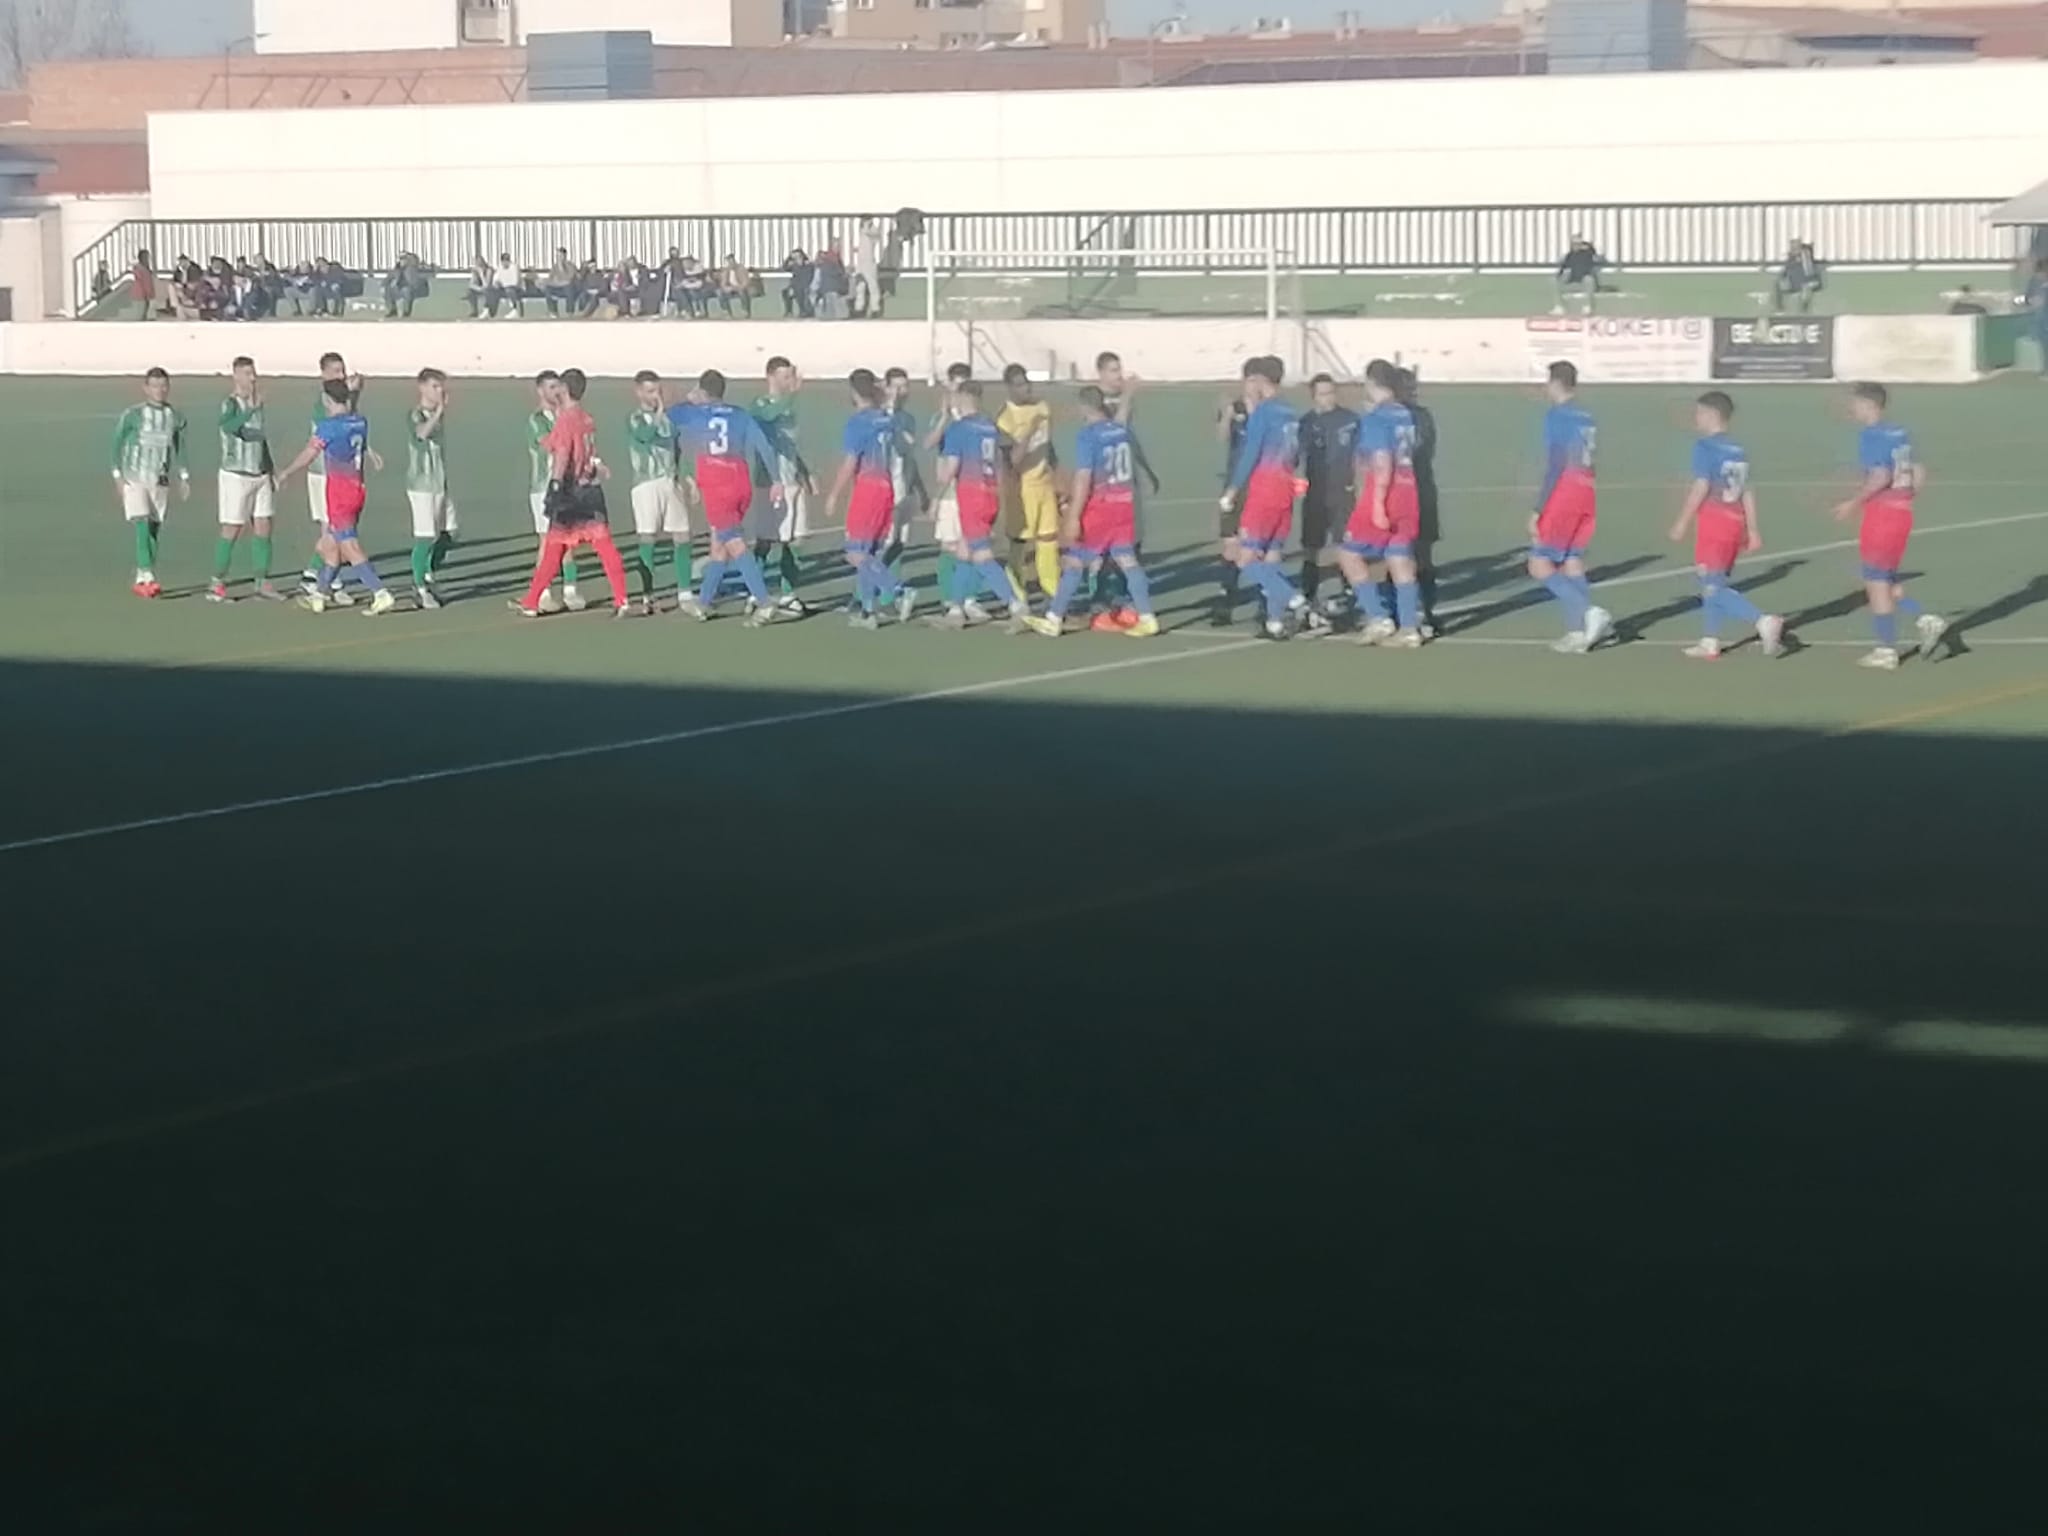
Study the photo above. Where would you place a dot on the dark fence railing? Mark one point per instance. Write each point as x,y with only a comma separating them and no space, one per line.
1951,232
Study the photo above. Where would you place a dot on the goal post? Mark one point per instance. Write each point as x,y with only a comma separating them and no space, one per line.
967,289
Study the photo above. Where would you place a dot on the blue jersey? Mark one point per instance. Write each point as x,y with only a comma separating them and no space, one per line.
1720,461
1889,448
344,441
1568,436
1388,428
977,446
717,430
1103,448
870,441
1272,441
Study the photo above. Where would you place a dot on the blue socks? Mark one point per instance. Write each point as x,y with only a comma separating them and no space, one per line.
1071,577
329,574
1372,602
882,579
997,580
1571,596
1141,589
1408,604
750,572
1887,627
366,576
714,576
1910,607
1718,600
1272,581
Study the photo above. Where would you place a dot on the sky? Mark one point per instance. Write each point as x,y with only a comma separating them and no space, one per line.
204,26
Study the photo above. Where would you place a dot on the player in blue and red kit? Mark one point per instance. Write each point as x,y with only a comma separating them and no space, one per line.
1102,519
869,445
971,456
1264,481
1561,528
725,447
1380,539
341,445
1723,501
1892,476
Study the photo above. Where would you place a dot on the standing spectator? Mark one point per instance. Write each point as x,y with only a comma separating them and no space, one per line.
142,277
1798,280
796,292
560,288
1579,271
478,289
508,287
736,285
402,286
2036,300
102,284
867,269
832,283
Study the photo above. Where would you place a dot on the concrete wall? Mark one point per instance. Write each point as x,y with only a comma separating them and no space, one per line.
1722,136
22,250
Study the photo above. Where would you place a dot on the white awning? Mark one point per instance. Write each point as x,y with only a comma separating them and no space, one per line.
2030,207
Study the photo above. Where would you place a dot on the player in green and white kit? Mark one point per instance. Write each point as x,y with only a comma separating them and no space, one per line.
946,508
149,442
791,520
659,510
426,486
247,496
332,366
540,469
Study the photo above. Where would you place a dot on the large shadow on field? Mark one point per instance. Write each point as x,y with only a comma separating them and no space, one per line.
1008,1114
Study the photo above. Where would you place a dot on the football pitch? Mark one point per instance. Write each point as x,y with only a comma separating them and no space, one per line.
467,1072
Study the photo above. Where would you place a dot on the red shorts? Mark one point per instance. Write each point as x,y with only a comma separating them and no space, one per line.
1109,521
345,498
1565,525
728,490
1268,515
1723,535
872,512
1404,515
1887,524
979,508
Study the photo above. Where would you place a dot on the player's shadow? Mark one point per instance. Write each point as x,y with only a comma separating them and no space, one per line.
1841,607
1636,626
1533,597
1459,580
1957,642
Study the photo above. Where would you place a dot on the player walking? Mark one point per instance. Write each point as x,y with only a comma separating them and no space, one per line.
341,446
247,496
905,479
1120,399
1231,417
1892,477
866,445
659,510
576,509
149,443
725,447
946,504
333,368
547,385
1031,486
1101,519
1263,483
1725,504
1379,539
787,520
426,485
1561,528
971,458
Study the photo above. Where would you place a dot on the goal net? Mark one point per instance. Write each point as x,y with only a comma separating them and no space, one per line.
970,291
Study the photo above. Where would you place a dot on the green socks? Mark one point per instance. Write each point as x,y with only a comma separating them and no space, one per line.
422,562
790,569
145,544
569,569
442,544
223,557
646,565
259,557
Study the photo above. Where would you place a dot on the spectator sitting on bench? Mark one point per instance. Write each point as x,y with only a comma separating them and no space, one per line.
737,285
560,288
1798,280
1579,271
404,285
508,287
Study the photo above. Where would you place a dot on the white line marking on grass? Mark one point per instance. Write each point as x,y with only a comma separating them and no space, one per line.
606,748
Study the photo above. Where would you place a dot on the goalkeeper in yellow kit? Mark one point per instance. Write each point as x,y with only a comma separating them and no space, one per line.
1032,512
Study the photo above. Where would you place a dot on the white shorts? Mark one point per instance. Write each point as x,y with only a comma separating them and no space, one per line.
946,517
658,507
539,502
245,499
316,495
794,519
144,503
433,514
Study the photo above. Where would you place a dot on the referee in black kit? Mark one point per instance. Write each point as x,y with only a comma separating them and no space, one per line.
1329,446
1406,391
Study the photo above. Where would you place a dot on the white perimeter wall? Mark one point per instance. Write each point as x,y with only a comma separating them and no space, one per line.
1976,130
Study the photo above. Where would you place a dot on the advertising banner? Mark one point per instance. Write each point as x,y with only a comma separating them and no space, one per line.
1783,347
1623,349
